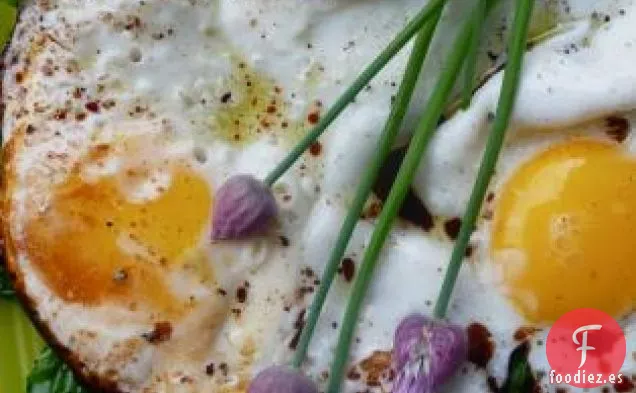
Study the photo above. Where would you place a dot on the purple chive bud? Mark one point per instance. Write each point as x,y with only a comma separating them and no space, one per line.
244,206
426,354
279,379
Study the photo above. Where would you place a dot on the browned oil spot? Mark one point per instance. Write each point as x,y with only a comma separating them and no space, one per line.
626,385
375,366
315,149
480,345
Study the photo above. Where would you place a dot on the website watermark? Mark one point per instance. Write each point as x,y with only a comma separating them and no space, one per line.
586,348
582,377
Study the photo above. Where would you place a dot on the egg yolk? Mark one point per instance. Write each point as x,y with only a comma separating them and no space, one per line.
92,244
564,229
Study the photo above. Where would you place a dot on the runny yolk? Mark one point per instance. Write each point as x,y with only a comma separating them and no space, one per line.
564,231
93,245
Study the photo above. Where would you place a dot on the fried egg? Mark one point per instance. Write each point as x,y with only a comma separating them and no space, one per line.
123,118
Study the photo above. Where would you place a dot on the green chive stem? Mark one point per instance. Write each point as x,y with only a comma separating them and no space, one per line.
352,91
391,129
495,141
422,136
470,69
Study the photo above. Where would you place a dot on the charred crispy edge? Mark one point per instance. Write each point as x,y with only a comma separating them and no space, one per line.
96,383
93,381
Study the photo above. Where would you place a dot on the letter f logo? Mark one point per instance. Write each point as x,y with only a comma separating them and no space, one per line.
583,346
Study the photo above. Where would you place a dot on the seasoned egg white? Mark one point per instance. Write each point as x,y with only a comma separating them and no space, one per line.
123,118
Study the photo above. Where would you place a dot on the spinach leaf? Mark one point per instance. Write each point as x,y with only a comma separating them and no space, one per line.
51,375
520,377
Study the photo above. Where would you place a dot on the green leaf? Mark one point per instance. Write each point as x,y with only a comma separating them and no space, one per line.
8,15
51,375
520,378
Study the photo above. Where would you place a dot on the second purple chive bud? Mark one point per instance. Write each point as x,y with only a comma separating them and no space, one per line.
281,379
426,353
244,206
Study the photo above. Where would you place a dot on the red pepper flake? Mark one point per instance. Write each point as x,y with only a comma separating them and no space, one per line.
470,249
480,345
19,77
92,106
348,269
209,369
624,386
241,294
77,93
271,109
80,116
299,324
452,227
225,98
315,148
293,343
161,333
224,369
60,114
313,117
